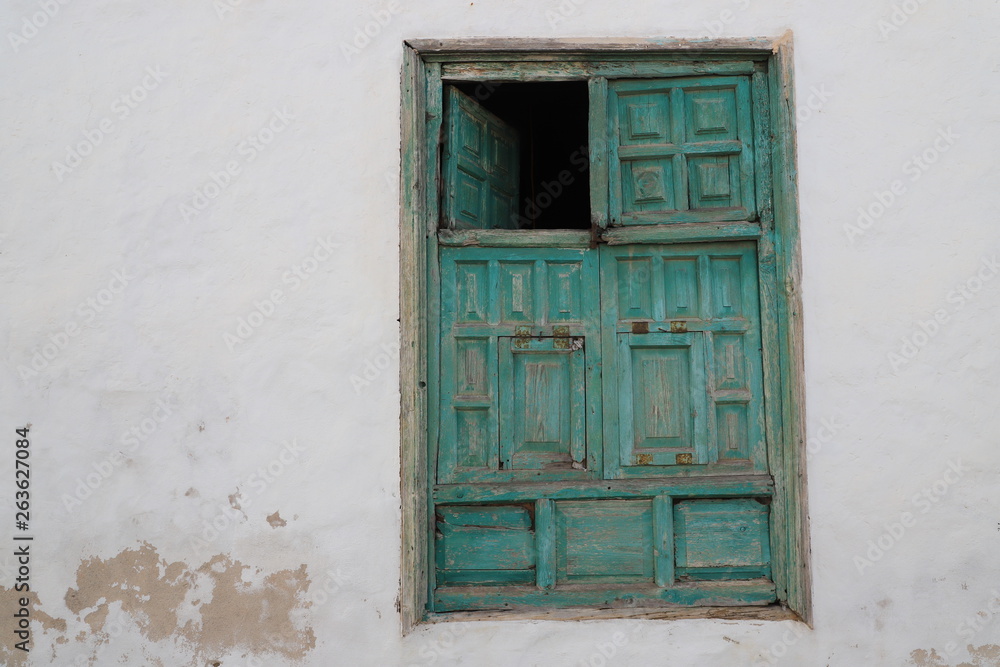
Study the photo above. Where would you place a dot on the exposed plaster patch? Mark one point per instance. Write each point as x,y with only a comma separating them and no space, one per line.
276,521
987,655
9,655
224,603
234,502
255,617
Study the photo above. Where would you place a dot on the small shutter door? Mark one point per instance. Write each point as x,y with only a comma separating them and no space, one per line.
681,150
662,398
684,371
520,365
480,166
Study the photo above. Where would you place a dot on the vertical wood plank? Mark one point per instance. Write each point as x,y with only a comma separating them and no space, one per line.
598,147
426,224
663,540
545,543
413,595
680,166
744,115
792,494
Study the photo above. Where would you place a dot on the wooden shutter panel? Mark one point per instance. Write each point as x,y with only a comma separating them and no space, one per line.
480,166
681,150
684,368
520,365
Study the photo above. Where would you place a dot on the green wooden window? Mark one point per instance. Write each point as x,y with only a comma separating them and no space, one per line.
606,409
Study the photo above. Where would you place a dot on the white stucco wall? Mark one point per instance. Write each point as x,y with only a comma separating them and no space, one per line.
238,421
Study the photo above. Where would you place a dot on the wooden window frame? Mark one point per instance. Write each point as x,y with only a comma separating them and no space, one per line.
429,61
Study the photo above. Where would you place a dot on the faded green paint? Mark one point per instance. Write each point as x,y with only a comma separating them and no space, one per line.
480,166
514,343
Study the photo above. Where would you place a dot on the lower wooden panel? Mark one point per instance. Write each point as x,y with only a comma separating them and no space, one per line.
700,594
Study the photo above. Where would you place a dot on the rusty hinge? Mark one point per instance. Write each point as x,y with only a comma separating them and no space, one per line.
685,459
522,337
563,340
643,459
678,326
640,327
596,234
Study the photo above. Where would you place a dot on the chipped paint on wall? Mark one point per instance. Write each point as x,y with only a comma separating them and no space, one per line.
219,607
979,656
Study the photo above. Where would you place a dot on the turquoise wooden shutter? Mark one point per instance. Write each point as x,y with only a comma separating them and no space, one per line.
684,376
520,365
662,398
681,150
480,166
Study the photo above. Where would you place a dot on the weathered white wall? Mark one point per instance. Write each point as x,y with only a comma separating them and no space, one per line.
126,563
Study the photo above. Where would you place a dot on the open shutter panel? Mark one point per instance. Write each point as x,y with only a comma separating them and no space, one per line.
519,350
681,150
480,166
684,372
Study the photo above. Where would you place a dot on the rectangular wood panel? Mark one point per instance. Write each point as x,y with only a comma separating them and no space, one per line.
722,539
480,166
604,541
682,150
484,544
542,403
686,374
520,387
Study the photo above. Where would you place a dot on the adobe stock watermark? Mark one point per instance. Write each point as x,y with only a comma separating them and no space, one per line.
552,190
823,434
773,653
87,311
926,330
122,108
813,103
247,150
971,626
914,169
564,10
33,24
224,7
130,440
898,17
363,35
922,502
264,309
374,365
257,483
726,17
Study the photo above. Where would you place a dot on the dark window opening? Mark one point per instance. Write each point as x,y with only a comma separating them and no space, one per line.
554,170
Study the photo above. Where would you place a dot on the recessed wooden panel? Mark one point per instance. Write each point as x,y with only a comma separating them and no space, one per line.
472,367
730,361
662,399
542,403
517,292
732,431
714,182
472,291
604,541
721,539
645,119
485,544
682,287
682,151
565,292
649,185
635,288
727,287
475,436
710,114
